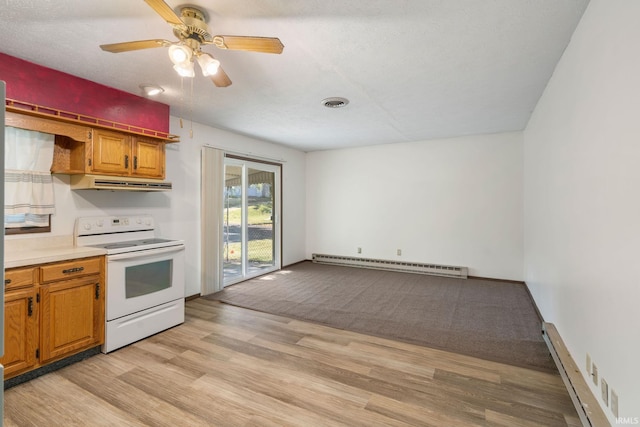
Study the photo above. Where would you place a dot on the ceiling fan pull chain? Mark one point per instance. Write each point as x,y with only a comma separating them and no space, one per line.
181,101
191,112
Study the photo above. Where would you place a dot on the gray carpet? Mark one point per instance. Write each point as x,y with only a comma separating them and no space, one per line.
482,318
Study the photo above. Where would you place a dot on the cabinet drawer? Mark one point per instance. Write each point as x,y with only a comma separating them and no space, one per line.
19,278
67,270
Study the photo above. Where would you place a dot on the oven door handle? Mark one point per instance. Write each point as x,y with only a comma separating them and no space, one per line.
144,253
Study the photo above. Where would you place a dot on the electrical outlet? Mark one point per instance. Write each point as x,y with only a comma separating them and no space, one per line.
399,252
588,364
614,403
605,391
594,373
359,250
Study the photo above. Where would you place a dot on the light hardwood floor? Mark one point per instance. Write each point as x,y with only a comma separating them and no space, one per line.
227,366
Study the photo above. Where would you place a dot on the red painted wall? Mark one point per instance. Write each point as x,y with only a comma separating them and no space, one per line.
32,83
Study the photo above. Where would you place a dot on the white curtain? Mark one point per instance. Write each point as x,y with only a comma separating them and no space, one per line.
212,232
28,186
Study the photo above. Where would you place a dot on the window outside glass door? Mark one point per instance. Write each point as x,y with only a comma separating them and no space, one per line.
251,209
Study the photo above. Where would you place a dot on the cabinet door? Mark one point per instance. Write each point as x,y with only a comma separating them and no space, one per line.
20,331
72,317
110,153
148,158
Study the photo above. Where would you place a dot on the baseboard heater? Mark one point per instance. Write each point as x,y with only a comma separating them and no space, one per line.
381,264
590,413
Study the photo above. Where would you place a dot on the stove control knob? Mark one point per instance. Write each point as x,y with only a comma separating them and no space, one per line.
126,221
139,220
100,223
87,226
147,221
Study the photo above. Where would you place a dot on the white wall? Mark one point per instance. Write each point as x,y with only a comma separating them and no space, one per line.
451,201
582,198
177,212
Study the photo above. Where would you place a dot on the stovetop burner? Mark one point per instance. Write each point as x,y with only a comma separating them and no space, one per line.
154,241
116,245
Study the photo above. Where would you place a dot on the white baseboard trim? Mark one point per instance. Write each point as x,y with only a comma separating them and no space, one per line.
588,408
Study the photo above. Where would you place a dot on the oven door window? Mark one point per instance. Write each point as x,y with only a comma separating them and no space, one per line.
144,279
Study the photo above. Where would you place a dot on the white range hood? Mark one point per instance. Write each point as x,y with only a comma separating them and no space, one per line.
117,183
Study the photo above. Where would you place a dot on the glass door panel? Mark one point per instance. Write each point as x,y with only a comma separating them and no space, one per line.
232,217
260,200
251,229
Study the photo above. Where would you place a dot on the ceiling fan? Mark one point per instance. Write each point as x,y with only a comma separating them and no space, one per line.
192,32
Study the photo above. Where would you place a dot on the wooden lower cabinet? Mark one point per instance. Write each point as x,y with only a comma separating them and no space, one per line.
20,331
60,312
71,317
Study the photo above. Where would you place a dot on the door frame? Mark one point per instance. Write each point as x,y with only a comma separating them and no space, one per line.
276,169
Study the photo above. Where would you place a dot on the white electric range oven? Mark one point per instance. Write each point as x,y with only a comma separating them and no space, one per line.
144,276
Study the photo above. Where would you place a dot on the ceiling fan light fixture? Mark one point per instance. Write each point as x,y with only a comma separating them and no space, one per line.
189,24
185,69
208,64
180,54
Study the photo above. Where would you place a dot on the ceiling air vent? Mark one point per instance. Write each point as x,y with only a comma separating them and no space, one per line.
335,102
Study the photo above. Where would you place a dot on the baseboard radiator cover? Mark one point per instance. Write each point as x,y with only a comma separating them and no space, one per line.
401,266
587,407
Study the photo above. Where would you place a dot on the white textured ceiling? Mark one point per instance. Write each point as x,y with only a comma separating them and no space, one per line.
413,70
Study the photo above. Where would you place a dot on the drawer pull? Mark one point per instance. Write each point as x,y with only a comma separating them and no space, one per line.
72,270
7,282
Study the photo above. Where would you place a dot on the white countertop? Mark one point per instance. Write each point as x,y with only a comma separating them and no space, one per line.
41,250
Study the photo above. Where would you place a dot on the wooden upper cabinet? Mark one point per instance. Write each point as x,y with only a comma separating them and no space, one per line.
115,153
82,148
148,158
110,153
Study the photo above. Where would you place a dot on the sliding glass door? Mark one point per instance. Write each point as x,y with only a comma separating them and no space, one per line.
251,212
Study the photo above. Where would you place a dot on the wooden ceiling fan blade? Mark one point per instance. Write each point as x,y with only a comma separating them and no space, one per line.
252,44
221,79
165,11
135,45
